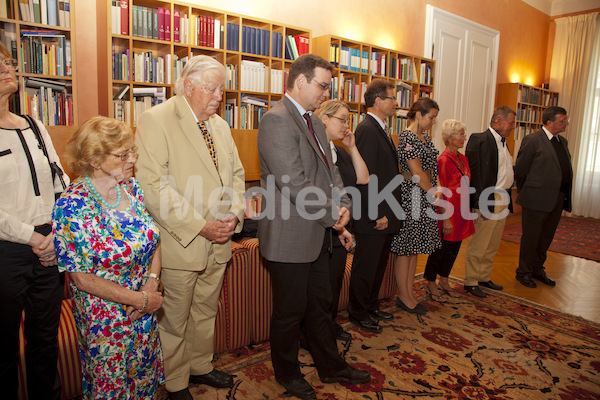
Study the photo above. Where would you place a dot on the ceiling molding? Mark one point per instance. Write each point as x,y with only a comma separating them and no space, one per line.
561,7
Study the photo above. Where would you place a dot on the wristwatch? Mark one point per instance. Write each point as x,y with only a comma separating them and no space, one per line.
153,275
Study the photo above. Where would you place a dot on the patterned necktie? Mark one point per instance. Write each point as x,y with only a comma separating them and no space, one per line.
209,143
310,128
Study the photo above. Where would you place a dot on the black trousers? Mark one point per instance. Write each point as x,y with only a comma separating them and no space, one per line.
27,285
302,294
368,268
441,261
539,228
336,277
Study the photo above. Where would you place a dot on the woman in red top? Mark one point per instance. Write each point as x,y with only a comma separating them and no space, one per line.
453,169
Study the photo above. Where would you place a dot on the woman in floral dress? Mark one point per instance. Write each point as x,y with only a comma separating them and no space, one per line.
108,243
417,157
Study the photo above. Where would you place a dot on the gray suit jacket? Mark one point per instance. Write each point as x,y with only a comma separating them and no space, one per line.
538,174
292,169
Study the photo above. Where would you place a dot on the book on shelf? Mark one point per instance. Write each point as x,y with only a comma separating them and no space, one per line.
276,81
115,16
121,93
8,36
150,91
167,24
44,53
231,77
124,17
50,106
43,12
277,44
254,76
37,15
67,8
233,36
26,15
4,8
52,10
122,111
40,82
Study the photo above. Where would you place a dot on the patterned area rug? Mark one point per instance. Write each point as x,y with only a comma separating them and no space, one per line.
500,347
574,236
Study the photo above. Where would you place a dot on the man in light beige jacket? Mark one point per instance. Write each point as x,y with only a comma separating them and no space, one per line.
193,182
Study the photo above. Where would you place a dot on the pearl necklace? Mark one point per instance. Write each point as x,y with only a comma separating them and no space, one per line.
93,190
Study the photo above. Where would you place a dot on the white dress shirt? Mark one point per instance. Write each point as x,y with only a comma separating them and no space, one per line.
506,175
20,209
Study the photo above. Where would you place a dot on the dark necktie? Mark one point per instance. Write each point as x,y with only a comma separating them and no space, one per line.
312,131
503,140
565,167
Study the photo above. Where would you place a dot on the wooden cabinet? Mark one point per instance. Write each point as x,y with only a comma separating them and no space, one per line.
529,102
142,64
356,64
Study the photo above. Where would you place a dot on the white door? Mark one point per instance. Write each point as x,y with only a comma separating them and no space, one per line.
466,55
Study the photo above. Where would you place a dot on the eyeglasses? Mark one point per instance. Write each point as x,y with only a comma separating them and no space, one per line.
324,86
345,121
387,98
10,63
562,121
125,155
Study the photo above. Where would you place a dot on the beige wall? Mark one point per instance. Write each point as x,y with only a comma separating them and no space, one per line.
395,24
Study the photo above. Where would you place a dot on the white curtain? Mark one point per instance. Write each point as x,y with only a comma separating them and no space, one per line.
575,74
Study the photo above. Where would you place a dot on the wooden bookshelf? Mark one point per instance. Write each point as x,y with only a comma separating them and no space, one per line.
529,102
54,74
357,63
254,55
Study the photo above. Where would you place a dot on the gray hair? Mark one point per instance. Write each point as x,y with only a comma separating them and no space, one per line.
194,69
502,112
451,127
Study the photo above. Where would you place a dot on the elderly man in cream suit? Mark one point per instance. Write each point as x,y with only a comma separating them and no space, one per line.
193,181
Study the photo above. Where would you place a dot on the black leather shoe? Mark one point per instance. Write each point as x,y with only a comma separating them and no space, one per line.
526,281
367,324
475,291
298,387
491,285
180,395
340,333
419,308
381,315
348,374
215,378
545,279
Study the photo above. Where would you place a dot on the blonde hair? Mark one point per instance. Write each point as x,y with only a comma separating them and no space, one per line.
93,141
4,50
330,107
451,127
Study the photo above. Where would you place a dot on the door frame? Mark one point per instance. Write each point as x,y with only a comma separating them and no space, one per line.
433,14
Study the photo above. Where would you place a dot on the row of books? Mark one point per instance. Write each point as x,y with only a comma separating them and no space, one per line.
47,12
122,108
256,40
254,76
529,114
523,130
48,101
247,115
231,79
378,63
8,36
119,17
403,68
208,32
550,99
147,68
426,74
295,46
45,52
403,94
529,95
151,23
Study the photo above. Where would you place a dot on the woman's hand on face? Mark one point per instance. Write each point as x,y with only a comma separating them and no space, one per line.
349,140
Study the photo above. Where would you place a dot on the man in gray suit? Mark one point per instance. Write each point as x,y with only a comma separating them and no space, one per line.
296,228
544,176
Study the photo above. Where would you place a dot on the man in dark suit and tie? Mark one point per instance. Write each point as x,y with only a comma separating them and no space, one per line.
297,226
544,177
492,178
374,235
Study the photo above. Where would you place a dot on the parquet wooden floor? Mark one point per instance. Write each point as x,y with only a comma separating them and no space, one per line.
577,289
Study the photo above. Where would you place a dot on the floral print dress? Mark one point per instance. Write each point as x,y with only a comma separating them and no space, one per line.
121,359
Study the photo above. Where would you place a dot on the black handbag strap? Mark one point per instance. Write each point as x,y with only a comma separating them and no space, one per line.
54,168
451,159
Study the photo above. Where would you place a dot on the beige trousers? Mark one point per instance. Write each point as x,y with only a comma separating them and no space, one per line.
186,321
482,249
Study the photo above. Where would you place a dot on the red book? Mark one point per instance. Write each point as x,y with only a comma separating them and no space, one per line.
161,23
124,17
203,32
176,26
210,25
167,24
